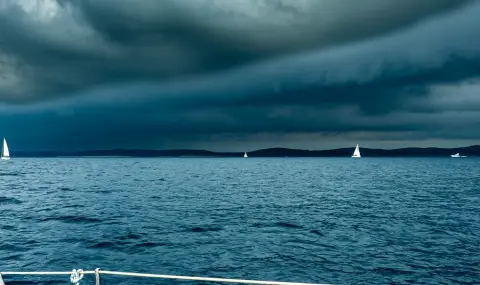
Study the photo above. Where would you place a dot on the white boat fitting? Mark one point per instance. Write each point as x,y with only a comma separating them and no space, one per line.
77,275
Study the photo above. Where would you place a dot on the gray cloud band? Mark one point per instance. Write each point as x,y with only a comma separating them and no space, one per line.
59,48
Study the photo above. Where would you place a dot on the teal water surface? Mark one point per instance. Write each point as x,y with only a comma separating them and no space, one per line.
338,220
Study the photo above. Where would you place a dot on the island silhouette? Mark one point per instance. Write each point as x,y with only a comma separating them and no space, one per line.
269,152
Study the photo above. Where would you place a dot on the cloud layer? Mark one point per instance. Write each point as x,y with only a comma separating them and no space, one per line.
100,74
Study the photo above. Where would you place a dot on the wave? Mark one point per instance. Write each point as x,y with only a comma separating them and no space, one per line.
277,224
65,188
9,200
72,219
317,233
11,174
288,225
205,229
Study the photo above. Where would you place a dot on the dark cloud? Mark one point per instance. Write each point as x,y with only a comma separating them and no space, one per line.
57,48
222,72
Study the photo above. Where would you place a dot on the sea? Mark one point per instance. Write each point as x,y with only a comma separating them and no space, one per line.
316,220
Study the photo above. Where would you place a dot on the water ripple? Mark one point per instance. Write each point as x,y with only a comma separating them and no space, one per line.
9,200
343,221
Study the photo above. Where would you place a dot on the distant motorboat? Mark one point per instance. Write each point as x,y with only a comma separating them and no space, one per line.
457,155
5,152
356,153
245,155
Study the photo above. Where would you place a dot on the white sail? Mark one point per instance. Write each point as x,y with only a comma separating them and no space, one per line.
5,152
245,155
356,153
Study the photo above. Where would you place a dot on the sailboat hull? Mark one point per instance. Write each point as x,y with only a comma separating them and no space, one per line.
5,158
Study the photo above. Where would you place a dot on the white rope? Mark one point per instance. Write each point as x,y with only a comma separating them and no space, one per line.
76,275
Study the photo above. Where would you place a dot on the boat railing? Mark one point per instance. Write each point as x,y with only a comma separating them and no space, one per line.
77,275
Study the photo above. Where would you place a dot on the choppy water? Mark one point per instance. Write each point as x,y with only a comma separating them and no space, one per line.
343,221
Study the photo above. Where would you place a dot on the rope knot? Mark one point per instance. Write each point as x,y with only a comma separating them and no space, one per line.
76,276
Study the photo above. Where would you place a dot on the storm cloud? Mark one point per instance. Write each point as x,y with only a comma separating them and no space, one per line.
220,74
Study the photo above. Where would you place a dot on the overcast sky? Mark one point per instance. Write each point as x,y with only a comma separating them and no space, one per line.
239,74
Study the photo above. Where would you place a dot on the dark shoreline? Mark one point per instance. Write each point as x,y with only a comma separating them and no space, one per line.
270,152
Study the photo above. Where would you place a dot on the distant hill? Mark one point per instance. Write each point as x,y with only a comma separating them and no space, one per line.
270,152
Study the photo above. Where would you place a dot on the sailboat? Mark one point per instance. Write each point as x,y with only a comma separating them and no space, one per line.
245,155
5,152
356,153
